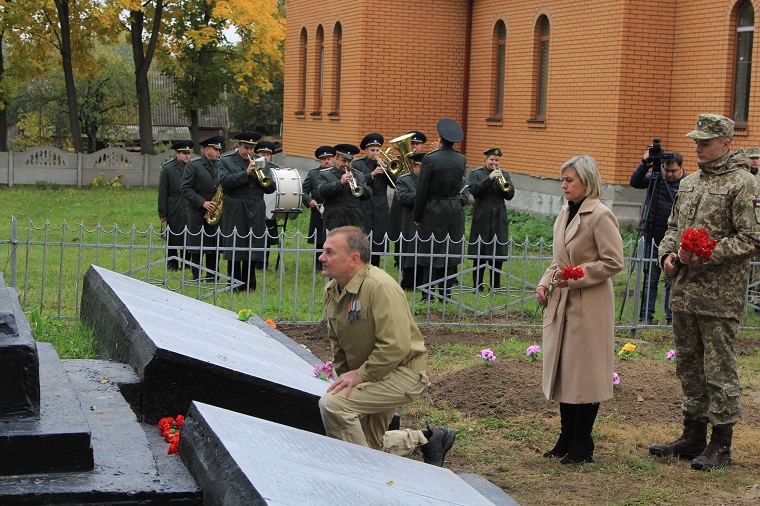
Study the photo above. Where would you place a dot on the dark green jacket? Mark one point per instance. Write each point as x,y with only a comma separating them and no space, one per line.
309,191
341,207
489,214
376,211
171,204
198,186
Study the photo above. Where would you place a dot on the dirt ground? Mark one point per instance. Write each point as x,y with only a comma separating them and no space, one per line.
649,395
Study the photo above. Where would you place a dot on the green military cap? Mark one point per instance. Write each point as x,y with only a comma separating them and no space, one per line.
186,146
710,126
492,151
752,152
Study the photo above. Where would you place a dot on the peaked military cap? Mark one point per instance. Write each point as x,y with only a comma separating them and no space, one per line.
417,157
324,152
710,126
216,142
249,138
418,137
492,151
183,146
347,151
264,147
373,139
449,130
752,152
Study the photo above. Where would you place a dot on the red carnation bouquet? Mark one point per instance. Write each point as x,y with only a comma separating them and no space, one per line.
697,242
568,273
170,429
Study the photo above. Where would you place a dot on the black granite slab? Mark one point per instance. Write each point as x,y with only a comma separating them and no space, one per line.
131,462
183,349
19,365
238,459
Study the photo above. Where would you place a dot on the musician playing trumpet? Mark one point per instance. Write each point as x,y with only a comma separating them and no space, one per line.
490,187
343,190
244,213
376,210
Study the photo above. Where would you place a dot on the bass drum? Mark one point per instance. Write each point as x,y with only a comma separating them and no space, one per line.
285,202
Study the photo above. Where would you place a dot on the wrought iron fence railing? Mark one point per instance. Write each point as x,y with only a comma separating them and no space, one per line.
46,264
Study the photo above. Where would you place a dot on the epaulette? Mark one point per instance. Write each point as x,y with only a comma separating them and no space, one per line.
167,162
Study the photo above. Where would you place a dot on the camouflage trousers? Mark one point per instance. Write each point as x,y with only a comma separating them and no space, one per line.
706,366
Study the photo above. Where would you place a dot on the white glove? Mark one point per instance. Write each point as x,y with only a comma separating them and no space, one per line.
494,174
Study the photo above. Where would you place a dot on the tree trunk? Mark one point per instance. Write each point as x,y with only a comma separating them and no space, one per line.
142,65
5,102
62,6
194,122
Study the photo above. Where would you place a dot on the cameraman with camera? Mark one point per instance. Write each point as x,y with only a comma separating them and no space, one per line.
660,173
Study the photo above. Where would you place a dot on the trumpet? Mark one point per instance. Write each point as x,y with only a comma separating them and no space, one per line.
356,190
259,166
504,185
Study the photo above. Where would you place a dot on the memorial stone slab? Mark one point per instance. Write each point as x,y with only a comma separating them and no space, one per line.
19,363
183,349
238,459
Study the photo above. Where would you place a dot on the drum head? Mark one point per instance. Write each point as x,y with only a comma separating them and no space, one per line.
285,202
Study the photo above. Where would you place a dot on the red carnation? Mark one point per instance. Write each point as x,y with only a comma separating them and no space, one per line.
697,242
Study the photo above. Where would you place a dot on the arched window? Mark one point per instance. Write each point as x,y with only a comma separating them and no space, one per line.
745,29
500,63
337,59
319,72
542,66
303,44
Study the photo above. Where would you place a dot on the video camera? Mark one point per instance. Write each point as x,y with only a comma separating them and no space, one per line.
657,156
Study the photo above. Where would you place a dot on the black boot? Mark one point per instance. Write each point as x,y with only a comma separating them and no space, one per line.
567,421
439,443
691,443
582,446
718,452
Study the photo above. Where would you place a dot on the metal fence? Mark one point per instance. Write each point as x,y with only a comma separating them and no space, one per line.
46,264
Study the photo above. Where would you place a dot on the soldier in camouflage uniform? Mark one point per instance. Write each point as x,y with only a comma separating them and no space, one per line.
707,295
754,159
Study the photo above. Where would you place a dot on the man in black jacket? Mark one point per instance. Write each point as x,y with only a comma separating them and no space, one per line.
311,199
343,190
661,179
171,204
438,211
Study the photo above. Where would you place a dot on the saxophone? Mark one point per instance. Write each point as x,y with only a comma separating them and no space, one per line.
212,218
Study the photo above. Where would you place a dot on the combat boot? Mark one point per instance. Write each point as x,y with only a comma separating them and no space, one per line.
439,443
718,452
690,445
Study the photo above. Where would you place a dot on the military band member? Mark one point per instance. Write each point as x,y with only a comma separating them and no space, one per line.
376,212
406,192
265,149
171,204
417,140
489,232
244,209
343,190
438,211
311,199
199,184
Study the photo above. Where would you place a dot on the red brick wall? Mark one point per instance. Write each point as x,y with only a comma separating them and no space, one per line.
620,73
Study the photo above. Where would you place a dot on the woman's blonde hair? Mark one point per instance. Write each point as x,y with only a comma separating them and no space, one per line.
588,173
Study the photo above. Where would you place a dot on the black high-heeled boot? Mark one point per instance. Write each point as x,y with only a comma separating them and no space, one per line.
567,422
582,446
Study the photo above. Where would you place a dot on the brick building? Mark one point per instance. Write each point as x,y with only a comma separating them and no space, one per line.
543,81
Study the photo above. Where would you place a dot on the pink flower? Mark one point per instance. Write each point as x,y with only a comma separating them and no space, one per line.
615,378
671,355
533,352
324,372
487,355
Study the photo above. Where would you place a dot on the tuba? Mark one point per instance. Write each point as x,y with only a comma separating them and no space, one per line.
212,218
400,164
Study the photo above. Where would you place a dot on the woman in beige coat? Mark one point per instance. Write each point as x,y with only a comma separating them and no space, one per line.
578,337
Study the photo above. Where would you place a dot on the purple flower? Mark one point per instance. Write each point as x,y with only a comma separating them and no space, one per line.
615,378
324,372
533,349
487,355
671,355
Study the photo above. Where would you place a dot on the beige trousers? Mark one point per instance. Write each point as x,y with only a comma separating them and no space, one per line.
363,418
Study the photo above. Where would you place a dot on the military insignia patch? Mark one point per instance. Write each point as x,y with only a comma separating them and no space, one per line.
757,202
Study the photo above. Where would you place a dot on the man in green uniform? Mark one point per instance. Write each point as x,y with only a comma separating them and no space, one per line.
378,353
244,210
343,190
754,159
171,204
199,184
707,295
406,193
489,232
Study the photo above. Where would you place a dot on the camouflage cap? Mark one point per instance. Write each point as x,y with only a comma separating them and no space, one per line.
710,126
752,152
